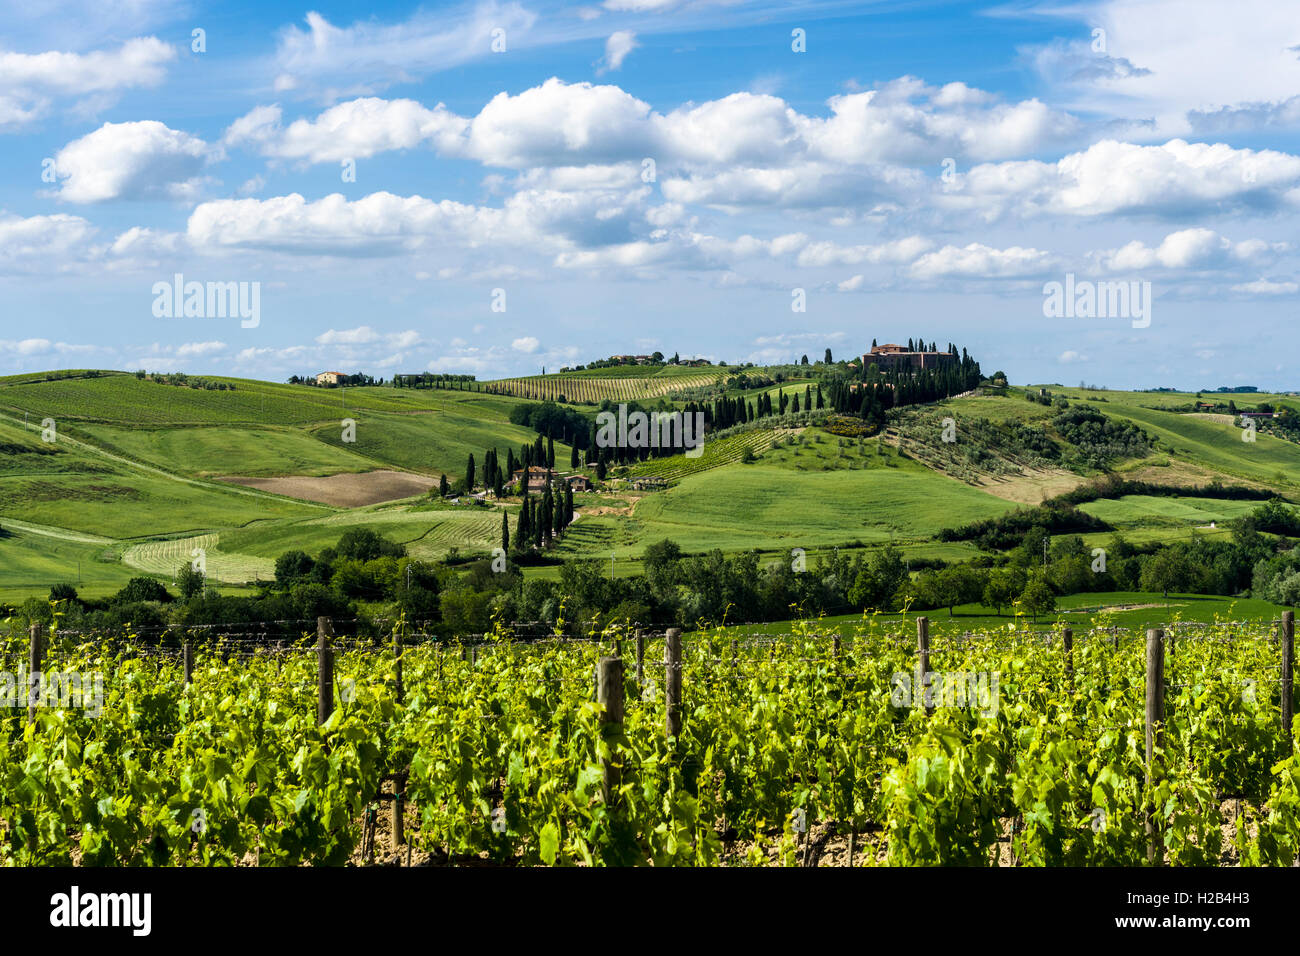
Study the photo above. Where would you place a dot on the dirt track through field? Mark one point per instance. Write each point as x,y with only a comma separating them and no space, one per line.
343,491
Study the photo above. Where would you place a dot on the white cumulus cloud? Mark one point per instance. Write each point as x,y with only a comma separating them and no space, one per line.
136,160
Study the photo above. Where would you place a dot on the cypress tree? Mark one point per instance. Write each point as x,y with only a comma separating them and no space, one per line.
505,531
443,488
469,473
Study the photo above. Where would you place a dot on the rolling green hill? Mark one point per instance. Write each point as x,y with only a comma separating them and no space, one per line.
263,428
128,486
738,507
72,485
223,450
1218,446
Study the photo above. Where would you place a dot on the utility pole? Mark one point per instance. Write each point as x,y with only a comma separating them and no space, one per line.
1044,552
611,565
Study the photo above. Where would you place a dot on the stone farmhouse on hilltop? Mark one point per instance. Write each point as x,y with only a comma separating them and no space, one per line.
891,357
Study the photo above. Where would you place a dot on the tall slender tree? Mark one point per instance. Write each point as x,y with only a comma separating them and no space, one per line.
522,531
547,515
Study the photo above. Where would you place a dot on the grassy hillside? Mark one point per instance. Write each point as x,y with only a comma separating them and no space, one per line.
738,507
72,486
33,557
126,489
1133,510
263,429
434,442
1218,446
226,450
124,399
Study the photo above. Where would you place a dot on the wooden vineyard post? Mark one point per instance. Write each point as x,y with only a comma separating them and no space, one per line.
1067,645
835,644
922,659
1114,634
1155,725
33,672
673,682
324,670
187,661
609,693
1287,635
399,689
399,801
640,656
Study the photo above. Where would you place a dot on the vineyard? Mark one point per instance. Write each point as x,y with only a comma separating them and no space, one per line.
590,390
715,453
1097,747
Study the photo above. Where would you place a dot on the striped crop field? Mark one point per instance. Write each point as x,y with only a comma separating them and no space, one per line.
588,389
427,534
166,558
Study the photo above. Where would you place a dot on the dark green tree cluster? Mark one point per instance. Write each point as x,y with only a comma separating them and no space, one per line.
542,518
871,392
554,422
439,380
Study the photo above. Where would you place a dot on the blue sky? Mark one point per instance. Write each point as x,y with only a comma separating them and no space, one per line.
651,174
